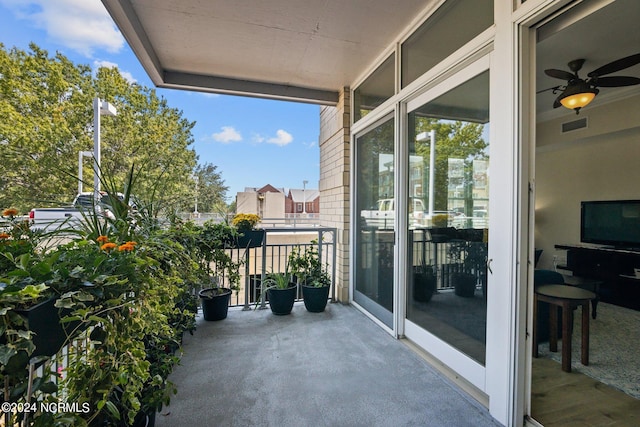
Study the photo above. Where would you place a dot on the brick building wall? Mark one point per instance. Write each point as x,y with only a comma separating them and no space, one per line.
334,183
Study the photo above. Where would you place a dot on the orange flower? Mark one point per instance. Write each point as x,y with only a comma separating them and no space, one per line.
10,212
132,243
126,247
108,246
102,239
4,236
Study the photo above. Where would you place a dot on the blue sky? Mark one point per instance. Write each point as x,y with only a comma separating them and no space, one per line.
253,141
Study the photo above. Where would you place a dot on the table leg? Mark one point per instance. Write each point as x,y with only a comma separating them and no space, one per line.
567,322
553,328
585,333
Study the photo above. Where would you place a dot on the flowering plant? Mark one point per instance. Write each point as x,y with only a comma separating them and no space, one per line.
244,221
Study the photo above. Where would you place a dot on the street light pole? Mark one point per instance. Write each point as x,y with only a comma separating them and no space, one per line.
422,136
432,171
195,207
304,197
81,154
100,108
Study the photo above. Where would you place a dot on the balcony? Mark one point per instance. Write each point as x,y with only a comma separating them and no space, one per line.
309,369
331,368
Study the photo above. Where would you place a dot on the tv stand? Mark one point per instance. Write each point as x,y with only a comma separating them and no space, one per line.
613,266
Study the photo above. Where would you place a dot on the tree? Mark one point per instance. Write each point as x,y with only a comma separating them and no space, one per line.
454,140
210,189
46,118
45,105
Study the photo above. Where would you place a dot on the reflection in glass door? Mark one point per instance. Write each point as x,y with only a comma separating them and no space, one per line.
448,186
375,213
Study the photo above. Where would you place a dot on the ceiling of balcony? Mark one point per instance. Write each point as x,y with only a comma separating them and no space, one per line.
307,50
290,49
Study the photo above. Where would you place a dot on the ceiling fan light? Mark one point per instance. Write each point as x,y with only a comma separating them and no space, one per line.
577,96
578,100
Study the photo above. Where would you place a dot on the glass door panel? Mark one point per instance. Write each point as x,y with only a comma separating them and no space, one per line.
448,180
375,210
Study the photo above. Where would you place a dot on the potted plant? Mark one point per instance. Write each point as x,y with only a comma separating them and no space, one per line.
424,283
29,320
217,269
471,259
281,291
312,276
248,235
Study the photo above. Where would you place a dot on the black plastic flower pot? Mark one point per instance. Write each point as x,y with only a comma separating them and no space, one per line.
315,298
215,303
424,286
250,238
281,300
464,284
49,334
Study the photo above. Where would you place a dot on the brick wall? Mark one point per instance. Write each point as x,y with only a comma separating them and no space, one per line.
334,183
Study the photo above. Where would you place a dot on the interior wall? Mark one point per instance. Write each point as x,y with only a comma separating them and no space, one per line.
601,162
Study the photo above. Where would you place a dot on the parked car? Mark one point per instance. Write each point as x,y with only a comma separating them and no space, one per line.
71,216
383,213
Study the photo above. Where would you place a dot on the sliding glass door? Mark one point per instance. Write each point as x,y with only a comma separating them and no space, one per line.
375,219
448,220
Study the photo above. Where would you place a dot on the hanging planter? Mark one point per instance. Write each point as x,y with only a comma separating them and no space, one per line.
215,303
250,238
43,320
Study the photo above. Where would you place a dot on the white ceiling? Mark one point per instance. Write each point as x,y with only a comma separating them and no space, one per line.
307,50
293,49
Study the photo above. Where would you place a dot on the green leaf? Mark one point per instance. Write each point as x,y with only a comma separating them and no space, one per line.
68,319
5,354
111,408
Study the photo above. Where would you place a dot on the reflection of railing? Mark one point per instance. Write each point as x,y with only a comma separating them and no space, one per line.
272,257
461,252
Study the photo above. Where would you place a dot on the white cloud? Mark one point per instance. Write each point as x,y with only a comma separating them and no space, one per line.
108,64
82,25
228,134
257,138
282,138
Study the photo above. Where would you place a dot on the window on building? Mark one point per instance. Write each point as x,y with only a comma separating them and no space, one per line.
376,89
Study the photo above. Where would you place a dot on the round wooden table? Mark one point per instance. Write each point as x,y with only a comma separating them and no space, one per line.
568,298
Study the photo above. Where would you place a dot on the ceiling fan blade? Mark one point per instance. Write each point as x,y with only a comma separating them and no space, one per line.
615,81
617,65
557,103
559,74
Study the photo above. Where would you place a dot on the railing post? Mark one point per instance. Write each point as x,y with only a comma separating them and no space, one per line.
247,280
263,303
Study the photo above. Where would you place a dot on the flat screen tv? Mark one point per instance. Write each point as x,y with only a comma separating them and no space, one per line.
611,222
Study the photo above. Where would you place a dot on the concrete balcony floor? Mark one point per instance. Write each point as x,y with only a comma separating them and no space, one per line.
335,368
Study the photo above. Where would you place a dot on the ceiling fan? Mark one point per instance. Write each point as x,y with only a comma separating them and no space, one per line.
578,92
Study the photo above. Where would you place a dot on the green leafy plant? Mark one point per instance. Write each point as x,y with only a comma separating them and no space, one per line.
131,289
306,266
214,242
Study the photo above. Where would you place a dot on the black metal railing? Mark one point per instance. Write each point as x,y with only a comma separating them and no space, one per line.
272,257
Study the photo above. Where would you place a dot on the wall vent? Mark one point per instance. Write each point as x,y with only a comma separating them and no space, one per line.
574,125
